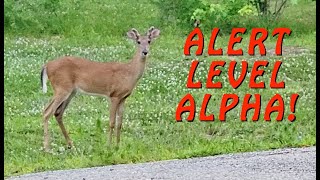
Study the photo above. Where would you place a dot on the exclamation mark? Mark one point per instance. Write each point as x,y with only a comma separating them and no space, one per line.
293,102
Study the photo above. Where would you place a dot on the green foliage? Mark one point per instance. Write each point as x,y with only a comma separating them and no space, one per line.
227,14
223,15
96,21
177,13
76,18
248,10
42,16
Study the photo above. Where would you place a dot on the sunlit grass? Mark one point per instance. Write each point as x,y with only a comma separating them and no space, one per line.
150,131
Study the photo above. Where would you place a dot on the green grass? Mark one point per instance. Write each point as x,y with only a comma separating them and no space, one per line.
150,132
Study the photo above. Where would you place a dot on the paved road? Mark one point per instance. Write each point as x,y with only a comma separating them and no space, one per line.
296,163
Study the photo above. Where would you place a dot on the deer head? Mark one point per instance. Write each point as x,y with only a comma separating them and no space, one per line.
143,42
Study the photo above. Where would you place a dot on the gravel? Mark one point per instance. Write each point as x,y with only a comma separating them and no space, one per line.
290,163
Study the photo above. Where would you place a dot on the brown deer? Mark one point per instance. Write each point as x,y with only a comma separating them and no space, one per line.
110,79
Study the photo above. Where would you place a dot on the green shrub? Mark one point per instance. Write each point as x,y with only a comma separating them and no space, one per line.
37,15
177,13
227,14
97,19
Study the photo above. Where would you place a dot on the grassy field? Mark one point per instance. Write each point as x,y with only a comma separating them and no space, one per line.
150,132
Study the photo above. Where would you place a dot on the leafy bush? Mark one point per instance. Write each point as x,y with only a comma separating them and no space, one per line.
35,14
98,19
225,15
177,13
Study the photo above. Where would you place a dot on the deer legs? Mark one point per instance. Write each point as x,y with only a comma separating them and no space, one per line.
119,120
116,114
57,107
113,111
59,113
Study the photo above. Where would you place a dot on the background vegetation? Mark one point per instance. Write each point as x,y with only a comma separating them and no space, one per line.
40,30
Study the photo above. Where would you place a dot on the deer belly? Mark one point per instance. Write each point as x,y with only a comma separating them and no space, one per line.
92,93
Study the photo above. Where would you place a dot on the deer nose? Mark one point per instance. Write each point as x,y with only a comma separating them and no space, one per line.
145,52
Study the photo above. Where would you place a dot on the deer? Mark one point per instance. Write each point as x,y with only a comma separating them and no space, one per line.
113,80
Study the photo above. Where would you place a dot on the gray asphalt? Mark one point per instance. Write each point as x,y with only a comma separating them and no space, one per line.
292,163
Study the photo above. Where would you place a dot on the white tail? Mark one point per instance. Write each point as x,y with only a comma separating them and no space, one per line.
44,78
111,79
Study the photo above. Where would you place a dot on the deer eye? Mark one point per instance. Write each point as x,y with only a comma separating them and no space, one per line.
138,42
149,42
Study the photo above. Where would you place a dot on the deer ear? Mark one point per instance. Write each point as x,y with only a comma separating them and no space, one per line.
153,32
133,34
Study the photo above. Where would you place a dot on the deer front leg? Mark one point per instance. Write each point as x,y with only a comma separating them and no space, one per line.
119,120
113,112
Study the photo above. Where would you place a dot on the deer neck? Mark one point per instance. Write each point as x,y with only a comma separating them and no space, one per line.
138,63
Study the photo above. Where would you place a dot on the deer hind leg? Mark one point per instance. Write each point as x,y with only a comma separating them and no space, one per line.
46,116
119,120
59,113
50,109
113,112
